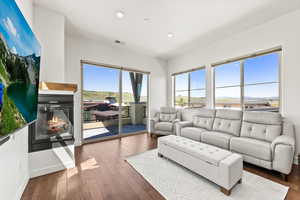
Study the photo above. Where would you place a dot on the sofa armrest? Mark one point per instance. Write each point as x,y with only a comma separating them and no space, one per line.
176,121
155,117
288,128
284,140
153,121
181,125
283,150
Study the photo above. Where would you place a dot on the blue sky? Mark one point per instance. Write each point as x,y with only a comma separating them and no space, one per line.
97,78
258,69
16,31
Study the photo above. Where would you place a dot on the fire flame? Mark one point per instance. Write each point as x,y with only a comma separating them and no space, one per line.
54,120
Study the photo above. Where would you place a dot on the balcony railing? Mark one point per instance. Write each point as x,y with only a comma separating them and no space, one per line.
96,114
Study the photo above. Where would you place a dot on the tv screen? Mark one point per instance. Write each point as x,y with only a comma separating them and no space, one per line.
19,69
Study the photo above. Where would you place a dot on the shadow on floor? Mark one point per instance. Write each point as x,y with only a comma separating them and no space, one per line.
112,131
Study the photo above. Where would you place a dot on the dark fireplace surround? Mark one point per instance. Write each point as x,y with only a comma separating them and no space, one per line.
54,125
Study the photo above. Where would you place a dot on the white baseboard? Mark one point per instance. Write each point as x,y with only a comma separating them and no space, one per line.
51,169
22,187
77,143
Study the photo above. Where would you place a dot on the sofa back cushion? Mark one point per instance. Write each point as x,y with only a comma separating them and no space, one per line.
188,114
261,125
204,118
228,121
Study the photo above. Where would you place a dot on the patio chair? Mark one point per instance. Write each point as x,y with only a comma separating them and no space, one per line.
163,122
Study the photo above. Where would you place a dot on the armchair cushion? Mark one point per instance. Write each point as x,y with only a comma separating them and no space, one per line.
164,126
166,117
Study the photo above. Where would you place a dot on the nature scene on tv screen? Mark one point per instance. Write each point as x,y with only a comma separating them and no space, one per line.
19,69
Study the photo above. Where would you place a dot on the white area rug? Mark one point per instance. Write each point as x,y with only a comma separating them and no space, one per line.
177,183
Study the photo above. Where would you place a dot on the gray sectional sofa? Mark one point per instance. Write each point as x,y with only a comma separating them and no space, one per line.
262,138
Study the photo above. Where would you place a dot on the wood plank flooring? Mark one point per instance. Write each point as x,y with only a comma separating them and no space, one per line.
102,174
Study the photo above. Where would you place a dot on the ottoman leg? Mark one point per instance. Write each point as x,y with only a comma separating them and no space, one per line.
284,177
240,181
225,191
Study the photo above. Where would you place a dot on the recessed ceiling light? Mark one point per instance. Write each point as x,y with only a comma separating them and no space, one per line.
170,35
119,42
120,14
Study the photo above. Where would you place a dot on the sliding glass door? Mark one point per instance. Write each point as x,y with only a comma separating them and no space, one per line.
100,101
114,102
134,98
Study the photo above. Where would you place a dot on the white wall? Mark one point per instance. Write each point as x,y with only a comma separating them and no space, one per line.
14,173
50,30
280,31
83,49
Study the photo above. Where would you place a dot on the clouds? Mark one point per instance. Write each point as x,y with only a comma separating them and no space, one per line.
14,50
15,30
10,26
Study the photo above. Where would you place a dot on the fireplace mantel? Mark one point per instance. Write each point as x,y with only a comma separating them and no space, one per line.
55,87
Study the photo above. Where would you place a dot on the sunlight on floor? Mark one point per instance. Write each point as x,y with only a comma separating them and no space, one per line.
89,164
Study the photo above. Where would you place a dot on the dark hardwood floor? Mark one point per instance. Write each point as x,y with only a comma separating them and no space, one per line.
102,174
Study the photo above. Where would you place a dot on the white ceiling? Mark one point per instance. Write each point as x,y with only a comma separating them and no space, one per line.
193,22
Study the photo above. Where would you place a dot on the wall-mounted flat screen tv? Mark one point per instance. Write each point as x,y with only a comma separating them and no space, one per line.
19,69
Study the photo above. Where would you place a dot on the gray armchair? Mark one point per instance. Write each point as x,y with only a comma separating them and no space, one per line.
163,122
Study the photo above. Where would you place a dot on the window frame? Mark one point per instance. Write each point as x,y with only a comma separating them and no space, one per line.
189,86
242,60
231,86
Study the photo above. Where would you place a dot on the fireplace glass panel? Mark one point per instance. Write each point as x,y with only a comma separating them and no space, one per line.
53,123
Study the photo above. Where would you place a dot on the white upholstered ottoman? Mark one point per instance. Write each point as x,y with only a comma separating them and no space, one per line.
218,165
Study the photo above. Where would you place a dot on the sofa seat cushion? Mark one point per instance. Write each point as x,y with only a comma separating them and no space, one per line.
164,126
193,133
251,147
204,152
215,138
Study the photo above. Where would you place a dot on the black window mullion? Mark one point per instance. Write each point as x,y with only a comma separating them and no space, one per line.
189,89
242,72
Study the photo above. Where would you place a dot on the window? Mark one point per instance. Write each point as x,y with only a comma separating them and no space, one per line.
197,90
261,87
182,90
251,84
228,86
190,89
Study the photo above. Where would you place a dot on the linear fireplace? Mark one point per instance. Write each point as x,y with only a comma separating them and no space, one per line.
54,125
